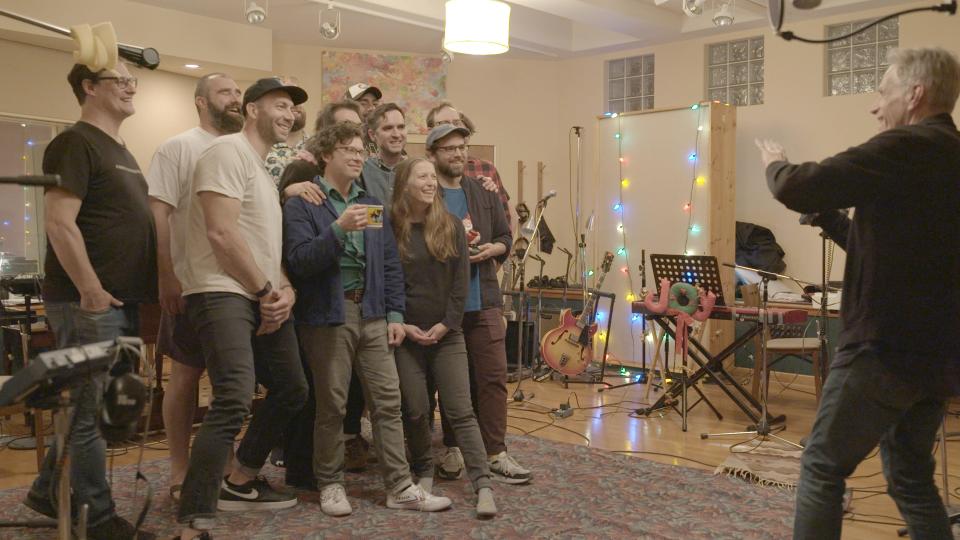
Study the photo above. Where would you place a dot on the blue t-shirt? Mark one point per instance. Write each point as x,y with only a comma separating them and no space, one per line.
456,201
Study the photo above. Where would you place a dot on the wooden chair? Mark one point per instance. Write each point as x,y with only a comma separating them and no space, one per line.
783,341
21,408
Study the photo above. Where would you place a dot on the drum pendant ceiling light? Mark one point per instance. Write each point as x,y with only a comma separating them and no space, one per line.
477,27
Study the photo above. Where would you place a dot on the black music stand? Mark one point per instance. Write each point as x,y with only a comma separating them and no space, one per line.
701,270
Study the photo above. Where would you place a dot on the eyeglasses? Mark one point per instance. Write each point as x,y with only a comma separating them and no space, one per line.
458,123
462,148
122,82
352,152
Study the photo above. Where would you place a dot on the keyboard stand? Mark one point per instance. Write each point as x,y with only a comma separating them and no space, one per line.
711,365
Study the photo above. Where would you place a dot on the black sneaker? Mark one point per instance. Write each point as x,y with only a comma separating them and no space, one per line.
117,528
253,495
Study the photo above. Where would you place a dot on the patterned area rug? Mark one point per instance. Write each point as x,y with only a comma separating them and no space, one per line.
769,464
577,492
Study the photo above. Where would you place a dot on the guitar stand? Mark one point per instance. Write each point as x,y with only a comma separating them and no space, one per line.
596,378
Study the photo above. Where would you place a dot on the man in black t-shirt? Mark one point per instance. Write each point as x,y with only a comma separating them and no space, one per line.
100,264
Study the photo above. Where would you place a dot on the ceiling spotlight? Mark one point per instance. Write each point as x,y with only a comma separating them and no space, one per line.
192,66
253,12
329,29
693,7
724,15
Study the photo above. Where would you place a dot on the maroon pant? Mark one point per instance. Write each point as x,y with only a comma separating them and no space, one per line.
484,332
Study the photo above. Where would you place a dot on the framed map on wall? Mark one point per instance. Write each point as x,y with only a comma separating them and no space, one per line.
416,83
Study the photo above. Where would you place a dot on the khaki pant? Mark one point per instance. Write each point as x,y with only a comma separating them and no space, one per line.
333,353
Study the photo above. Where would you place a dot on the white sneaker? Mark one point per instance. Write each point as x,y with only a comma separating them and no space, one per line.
451,464
505,469
333,501
414,498
426,484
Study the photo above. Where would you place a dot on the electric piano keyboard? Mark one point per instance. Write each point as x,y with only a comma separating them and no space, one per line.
773,316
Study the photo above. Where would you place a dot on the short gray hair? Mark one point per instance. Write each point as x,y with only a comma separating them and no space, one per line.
935,68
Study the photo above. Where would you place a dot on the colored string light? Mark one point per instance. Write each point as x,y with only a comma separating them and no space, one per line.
695,180
621,227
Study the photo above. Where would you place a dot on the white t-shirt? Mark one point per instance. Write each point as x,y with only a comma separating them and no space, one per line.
231,167
169,179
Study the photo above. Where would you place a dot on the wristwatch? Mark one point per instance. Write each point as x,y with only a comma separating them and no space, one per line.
267,288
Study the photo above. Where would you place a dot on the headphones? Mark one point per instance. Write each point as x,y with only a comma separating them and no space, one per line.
123,400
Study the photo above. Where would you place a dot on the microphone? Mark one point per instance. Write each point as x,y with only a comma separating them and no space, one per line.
551,194
147,57
807,219
52,180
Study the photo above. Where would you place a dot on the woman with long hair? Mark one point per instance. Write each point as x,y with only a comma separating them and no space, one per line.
433,251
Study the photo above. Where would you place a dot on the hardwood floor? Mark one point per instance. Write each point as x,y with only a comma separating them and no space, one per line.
603,420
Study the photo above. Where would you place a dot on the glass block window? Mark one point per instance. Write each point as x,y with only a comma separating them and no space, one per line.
630,84
735,72
855,65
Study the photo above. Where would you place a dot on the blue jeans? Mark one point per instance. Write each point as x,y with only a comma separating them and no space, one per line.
864,403
88,476
226,324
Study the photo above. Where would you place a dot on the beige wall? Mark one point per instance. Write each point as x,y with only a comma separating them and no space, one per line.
524,107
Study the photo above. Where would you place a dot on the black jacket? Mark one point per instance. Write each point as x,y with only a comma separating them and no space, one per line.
902,276
486,212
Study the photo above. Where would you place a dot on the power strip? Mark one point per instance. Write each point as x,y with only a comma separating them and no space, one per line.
565,411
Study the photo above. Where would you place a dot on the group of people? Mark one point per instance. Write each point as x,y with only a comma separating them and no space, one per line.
342,282
337,280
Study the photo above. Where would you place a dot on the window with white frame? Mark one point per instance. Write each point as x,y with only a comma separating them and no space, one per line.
735,72
855,65
630,84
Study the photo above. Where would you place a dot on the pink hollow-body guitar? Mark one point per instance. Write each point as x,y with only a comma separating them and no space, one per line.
568,348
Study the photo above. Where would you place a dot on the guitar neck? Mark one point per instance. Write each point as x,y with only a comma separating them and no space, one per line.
591,302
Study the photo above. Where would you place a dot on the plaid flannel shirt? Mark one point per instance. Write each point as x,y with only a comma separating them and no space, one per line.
480,167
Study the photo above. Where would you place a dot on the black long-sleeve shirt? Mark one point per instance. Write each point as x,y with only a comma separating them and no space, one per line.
436,291
902,275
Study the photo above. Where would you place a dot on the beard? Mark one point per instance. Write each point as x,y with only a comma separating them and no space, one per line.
226,121
299,122
450,170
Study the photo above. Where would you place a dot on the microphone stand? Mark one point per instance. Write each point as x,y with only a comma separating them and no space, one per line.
822,322
522,315
762,428
566,276
536,322
581,260
142,56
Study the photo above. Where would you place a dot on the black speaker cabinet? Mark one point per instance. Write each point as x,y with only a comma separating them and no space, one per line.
530,344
